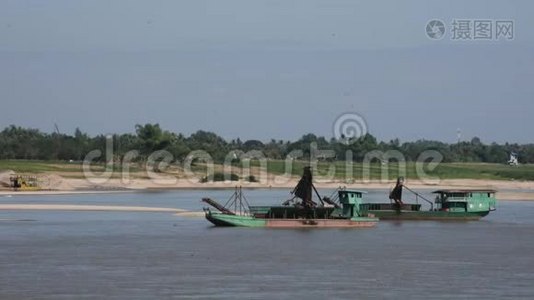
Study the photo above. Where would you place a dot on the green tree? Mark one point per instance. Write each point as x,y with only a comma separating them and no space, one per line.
151,138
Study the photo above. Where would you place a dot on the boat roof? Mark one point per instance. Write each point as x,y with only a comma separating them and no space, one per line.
464,191
354,191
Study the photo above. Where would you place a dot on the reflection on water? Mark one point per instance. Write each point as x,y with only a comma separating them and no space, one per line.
147,255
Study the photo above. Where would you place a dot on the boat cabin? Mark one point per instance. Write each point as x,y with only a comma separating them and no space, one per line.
349,207
350,201
465,200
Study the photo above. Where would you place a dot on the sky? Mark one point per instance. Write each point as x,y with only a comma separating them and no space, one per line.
266,69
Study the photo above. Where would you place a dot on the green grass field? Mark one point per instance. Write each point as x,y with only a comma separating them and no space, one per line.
36,166
66,169
338,169
392,170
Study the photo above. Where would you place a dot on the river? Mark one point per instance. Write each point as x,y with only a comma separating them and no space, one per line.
140,255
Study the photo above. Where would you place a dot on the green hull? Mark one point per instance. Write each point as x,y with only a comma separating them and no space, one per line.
408,211
427,215
220,219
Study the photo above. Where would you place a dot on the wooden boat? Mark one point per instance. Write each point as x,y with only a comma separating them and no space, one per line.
298,212
450,204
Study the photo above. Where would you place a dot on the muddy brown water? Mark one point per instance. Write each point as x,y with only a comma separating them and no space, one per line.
134,255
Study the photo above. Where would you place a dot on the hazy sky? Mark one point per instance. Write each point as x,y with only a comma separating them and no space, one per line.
266,69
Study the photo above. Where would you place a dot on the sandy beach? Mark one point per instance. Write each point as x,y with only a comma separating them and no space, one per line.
507,190
101,208
71,207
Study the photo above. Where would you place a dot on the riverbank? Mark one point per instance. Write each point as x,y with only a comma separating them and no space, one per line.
508,189
106,208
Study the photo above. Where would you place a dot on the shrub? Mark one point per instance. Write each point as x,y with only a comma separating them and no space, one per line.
218,176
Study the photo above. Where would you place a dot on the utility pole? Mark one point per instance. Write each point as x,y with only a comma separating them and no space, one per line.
58,140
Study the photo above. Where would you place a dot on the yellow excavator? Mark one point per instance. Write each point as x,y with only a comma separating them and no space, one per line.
24,183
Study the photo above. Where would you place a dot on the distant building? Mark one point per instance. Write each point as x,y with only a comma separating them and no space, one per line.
513,159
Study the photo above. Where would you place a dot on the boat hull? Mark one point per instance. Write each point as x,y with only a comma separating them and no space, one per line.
427,215
408,211
219,219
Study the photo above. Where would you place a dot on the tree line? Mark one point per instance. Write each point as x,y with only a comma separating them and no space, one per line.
32,144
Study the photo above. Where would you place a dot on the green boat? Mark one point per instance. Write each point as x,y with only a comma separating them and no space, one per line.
450,204
300,211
